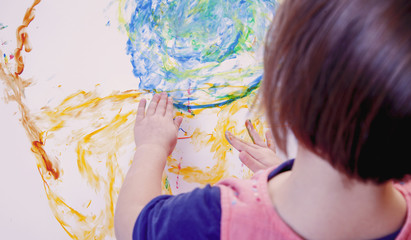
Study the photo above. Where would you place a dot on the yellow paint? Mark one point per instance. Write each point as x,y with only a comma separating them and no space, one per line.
218,143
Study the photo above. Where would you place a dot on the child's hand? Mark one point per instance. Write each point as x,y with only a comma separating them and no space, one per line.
156,128
258,155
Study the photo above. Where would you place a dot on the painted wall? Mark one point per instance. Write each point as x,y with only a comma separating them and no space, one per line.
67,127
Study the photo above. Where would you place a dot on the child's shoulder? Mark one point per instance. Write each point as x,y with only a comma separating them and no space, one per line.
246,205
253,190
404,187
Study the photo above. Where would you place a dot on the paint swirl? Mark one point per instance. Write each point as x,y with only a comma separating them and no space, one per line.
205,53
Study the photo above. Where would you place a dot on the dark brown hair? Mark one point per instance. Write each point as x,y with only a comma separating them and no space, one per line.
338,74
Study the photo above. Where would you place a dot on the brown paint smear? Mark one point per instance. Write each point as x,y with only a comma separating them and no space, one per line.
17,86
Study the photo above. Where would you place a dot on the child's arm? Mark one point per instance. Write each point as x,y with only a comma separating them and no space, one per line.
155,135
257,155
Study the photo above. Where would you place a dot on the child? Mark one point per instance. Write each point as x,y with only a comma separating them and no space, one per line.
338,74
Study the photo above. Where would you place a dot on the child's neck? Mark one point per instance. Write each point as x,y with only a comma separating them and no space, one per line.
319,202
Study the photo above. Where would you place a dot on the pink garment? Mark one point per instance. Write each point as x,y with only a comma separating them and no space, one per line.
247,211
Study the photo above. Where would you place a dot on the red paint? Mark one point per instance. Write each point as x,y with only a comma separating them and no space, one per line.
178,174
183,138
188,102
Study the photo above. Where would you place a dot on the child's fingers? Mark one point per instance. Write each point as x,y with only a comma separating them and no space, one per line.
237,143
260,155
170,108
250,162
141,109
162,104
153,105
177,121
254,134
270,140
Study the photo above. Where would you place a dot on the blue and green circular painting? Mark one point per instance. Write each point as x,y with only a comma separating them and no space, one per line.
205,53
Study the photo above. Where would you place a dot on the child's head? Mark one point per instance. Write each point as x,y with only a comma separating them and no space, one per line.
338,74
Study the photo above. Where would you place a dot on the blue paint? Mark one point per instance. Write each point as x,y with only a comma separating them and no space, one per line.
176,45
181,103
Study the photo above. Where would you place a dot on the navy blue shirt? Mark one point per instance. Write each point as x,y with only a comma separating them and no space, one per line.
192,215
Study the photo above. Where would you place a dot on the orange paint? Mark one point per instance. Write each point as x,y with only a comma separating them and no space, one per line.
37,148
23,38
